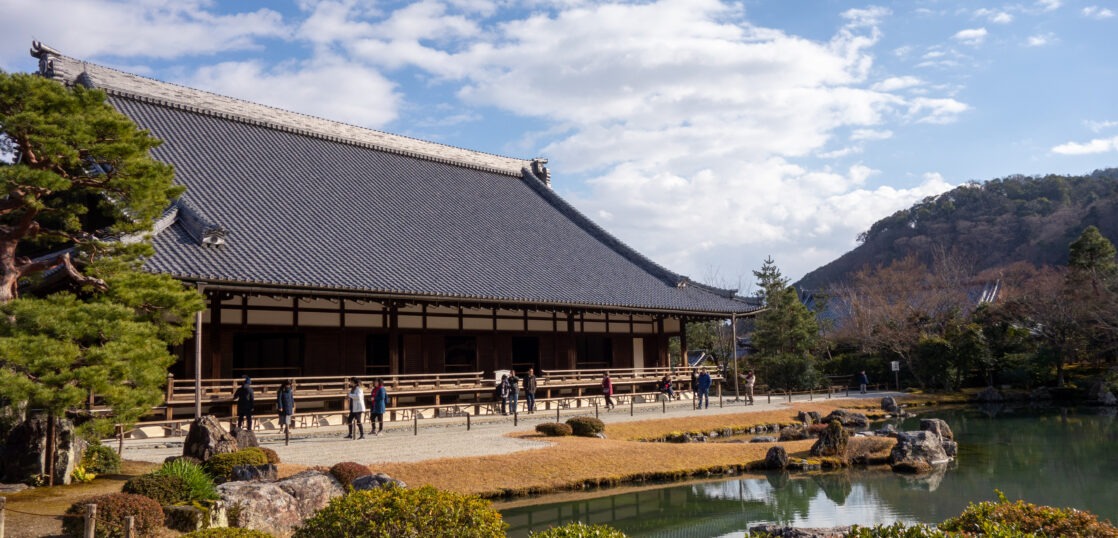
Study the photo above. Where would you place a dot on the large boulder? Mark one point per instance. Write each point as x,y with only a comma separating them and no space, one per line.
808,417
763,439
24,454
192,518
917,452
848,419
375,481
938,426
889,405
278,507
254,472
1108,399
776,458
989,395
245,438
206,438
832,441
792,433
312,490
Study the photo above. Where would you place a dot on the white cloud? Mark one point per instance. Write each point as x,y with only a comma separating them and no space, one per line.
994,16
1098,145
1049,5
1041,40
897,83
971,36
870,134
1096,12
935,110
1097,126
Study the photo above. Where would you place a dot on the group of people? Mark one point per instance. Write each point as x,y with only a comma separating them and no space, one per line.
508,390
245,398
356,416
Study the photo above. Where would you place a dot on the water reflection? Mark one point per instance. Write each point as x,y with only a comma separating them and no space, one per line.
1043,456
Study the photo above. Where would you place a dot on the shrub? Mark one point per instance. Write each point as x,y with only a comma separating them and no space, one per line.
1028,518
220,466
166,490
586,426
896,530
868,450
554,429
348,471
815,429
81,475
395,511
112,509
579,529
197,485
271,455
228,532
100,459
191,459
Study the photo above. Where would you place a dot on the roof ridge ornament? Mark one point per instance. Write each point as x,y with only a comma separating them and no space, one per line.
46,57
541,171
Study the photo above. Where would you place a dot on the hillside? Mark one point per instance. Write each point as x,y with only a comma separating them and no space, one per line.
988,224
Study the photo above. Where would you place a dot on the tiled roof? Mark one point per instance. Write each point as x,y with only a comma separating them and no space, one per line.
300,208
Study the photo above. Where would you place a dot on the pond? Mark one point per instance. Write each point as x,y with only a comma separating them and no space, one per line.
1058,457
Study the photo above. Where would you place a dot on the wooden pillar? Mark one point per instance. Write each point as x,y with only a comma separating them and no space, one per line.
393,339
572,344
683,342
215,335
662,357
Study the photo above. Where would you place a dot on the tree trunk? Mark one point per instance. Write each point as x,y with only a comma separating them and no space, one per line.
48,453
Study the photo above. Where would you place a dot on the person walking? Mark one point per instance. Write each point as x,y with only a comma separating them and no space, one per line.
704,388
285,406
530,390
607,391
514,391
750,380
245,401
502,393
863,381
380,403
356,409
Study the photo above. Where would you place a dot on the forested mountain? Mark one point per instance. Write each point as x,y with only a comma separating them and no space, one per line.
988,225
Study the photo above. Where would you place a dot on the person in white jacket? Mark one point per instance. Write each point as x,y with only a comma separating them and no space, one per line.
356,409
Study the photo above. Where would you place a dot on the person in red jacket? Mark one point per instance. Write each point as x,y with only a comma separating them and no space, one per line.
607,391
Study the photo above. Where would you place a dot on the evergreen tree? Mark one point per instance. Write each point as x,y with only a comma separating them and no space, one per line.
784,333
1092,253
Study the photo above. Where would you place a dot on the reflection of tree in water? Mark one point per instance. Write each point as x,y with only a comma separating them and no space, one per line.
836,486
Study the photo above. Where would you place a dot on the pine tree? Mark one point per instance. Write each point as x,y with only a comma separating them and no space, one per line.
785,332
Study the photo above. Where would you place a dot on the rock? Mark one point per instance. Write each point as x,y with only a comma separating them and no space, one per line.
254,472
190,518
808,417
277,507
600,435
777,531
912,467
713,434
889,405
206,438
312,490
1108,400
376,481
936,425
13,488
989,394
917,451
1041,393
245,438
776,458
804,465
951,448
887,429
847,419
24,451
832,441
792,434
763,439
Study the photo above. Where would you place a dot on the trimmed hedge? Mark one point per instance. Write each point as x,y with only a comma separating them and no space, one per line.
100,459
113,509
166,490
228,532
579,529
220,466
395,511
586,426
348,471
273,458
554,429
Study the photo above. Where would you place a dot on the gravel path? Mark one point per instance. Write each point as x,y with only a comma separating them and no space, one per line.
441,438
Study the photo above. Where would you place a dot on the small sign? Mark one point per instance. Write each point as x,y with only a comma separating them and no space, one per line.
896,365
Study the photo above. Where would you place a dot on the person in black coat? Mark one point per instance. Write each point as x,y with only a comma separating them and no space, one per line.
285,405
245,400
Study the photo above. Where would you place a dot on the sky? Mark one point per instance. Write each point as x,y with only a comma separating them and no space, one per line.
707,134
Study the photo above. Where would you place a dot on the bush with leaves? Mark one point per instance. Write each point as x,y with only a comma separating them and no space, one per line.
586,426
167,490
100,459
228,532
272,456
198,486
396,511
554,429
220,466
1029,518
348,471
112,509
896,530
579,529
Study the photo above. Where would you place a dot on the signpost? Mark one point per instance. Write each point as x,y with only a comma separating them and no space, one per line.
896,367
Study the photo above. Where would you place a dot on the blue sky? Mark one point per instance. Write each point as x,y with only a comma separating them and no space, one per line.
707,134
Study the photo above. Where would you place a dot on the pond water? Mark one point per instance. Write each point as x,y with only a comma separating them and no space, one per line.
1058,457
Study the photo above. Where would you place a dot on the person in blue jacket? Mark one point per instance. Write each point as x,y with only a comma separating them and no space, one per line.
704,388
380,403
863,381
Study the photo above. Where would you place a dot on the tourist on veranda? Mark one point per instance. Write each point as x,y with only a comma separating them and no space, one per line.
502,393
694,384
514,391
666,387
380,403
244,399
607,391
356,409
863,381
530,389
704,389
285,406
750,380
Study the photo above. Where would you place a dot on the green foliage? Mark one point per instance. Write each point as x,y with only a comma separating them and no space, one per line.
788,371
395,511
786,326
227,532
272,456
586,426
1023,517
347,471
198,486
1093,253
220,466
554,429
100,459
80,475
166,490
578,529
896,530
112,509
